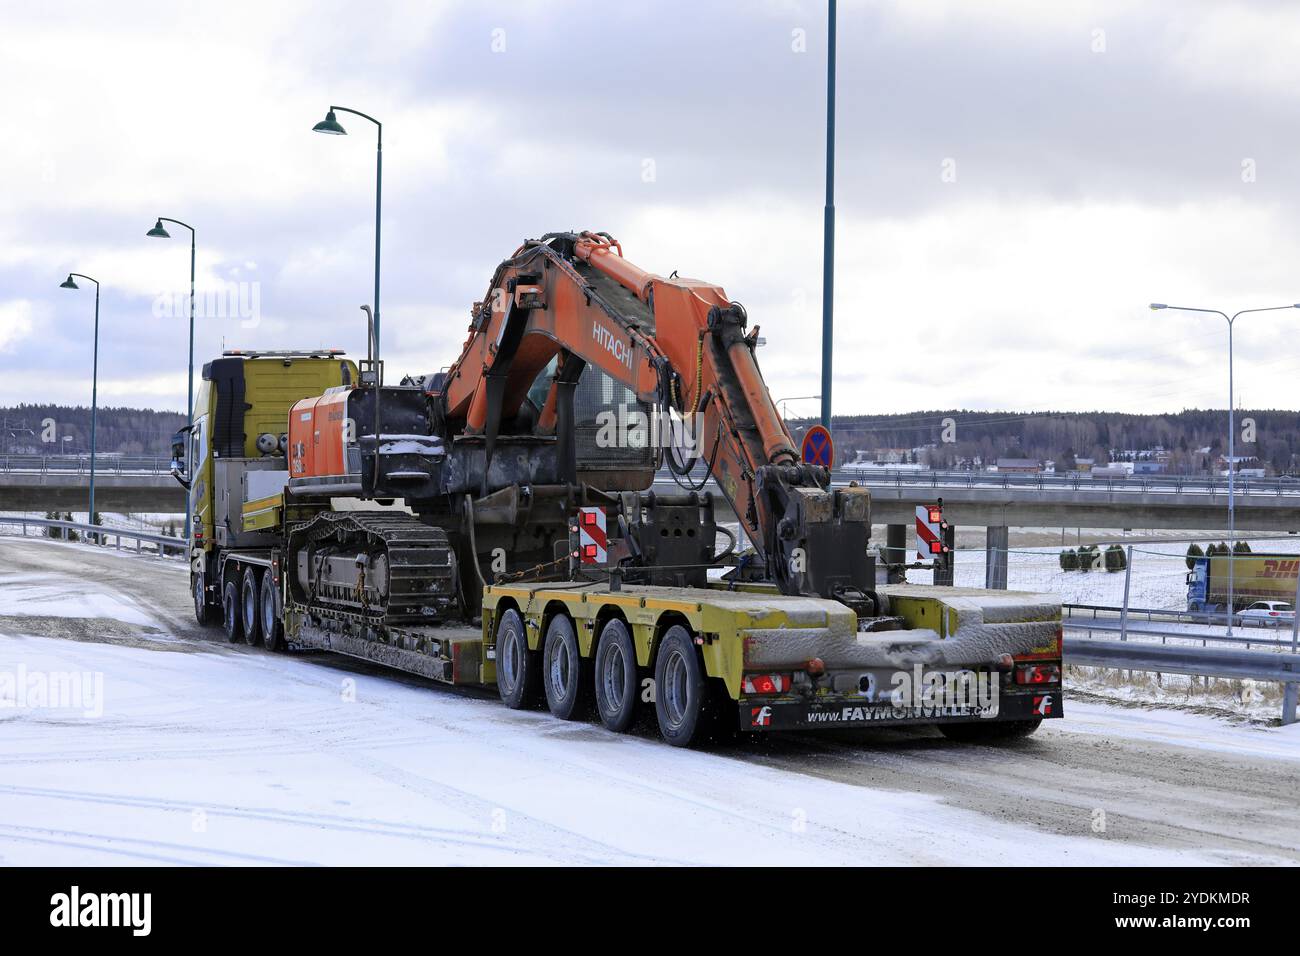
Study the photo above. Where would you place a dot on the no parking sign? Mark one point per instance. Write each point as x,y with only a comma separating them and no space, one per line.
818,449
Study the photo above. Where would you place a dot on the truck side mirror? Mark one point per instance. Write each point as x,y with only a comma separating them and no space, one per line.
180,460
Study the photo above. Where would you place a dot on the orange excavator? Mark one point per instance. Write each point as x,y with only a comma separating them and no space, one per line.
486,453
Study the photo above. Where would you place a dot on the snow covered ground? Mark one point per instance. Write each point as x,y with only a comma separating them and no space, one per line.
195,751
1159,578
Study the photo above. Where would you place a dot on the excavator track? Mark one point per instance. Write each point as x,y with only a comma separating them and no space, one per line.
384,567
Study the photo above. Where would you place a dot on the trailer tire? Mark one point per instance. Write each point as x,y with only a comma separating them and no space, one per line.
681,691
616,686
232,618
202,609
990,732
563,670
518,668
250,594
272,627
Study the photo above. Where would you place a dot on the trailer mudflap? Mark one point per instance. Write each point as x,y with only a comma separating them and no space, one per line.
836,711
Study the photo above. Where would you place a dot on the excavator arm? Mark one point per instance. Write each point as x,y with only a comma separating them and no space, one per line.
683,346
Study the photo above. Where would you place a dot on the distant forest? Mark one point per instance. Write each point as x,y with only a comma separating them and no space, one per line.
1064,436
27,430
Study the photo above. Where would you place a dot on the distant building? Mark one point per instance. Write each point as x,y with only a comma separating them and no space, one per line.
1029,466
1084,464
891,456
1116,469
1150,467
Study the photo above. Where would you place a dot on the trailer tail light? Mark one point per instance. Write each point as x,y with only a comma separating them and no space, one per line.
1038,674
767,683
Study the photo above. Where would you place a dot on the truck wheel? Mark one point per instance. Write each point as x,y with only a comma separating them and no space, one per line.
232,614
518,668
272,628
681,692
616,677
248,602
562,669
986,732
202,609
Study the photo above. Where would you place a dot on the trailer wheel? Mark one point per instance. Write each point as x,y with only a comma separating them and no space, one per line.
681,692
562,669
518,668
232,614
202,609
249,596
616,677
272,628
983,732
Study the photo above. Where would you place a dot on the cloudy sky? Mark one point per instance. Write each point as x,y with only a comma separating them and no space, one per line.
1016,180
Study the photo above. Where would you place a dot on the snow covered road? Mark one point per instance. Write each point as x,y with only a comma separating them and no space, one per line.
210,753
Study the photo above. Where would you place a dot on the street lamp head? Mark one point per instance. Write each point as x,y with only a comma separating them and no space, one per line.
1157,306
68,284
330,124
158,232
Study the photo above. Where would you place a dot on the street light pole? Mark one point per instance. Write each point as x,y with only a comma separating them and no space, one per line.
783,403
94,385
331,125
1232,443
158,232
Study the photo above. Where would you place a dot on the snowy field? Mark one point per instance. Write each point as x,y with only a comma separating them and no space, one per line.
1159,578
183,749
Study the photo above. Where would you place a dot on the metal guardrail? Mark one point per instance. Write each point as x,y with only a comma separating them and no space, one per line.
164,543
1116,626
1153,613
80,464
1283,487
1139,484
1230,662
1176,485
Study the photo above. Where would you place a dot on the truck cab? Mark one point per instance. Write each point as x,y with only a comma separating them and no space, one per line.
233,460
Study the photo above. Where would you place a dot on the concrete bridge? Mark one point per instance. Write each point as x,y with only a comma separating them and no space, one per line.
977,499
996,502
123,483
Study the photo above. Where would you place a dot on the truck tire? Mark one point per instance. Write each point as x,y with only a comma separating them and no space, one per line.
250,594
990,732
272,627
681,691
202,609
563,670
232,616
616,685
518,668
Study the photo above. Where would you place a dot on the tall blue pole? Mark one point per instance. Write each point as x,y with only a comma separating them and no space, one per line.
379,194
828,238
94,409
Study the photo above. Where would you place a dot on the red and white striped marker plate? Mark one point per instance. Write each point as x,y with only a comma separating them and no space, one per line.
593,543
929,532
